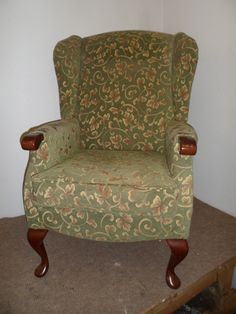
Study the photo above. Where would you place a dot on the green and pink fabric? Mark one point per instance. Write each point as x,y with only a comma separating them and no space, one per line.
111,168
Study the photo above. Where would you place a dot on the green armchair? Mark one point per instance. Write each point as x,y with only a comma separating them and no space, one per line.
118,165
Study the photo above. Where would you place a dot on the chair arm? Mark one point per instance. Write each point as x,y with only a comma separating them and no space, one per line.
48,145
31,141
51,143
180,145
187,146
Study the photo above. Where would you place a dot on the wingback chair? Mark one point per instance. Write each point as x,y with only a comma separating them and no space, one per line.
118,165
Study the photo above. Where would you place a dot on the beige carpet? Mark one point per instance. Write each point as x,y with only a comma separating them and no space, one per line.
104,278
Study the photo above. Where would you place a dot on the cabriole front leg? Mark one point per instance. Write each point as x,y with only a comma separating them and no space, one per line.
179,250
35,238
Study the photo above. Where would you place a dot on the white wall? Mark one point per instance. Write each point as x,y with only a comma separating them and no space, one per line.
29,30
213,105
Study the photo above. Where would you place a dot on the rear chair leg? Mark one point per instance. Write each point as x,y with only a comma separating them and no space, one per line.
35,238
179,250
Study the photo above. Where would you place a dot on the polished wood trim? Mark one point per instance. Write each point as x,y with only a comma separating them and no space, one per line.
188,146
31,141
35,238
179,250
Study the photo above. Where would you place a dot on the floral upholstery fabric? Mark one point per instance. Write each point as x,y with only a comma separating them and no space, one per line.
111,169
130,85
185,56
180,166
125,188
67,56
61,141
126,98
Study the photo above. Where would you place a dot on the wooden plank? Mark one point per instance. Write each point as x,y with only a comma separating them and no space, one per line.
221,274
225,276
228,303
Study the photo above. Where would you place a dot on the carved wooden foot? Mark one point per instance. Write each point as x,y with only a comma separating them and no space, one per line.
35,238
179,249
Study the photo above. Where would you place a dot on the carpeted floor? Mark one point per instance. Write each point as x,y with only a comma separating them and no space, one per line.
104,278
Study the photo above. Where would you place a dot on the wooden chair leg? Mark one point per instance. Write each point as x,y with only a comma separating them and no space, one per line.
35,238
179,250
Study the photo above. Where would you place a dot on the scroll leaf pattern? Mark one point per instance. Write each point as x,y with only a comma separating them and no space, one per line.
124,189
185,57
180,166
61,141
67,54
126,98
112,196
111,169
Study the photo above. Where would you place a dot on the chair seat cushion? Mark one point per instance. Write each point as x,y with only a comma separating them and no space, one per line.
116,195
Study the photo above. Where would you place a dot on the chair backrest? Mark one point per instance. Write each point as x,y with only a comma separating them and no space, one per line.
125,86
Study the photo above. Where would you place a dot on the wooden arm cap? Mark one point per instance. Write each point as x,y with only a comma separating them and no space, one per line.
188,146
31,141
